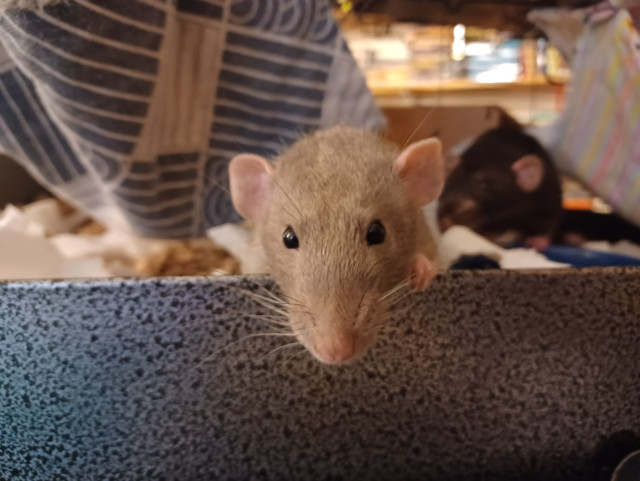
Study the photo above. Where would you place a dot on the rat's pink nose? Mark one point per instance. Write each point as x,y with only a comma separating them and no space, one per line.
334,349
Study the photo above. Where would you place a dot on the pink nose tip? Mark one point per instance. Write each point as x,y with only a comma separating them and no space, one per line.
334,349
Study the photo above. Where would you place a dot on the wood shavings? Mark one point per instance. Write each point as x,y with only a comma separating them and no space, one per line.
188,258
90,228
75,236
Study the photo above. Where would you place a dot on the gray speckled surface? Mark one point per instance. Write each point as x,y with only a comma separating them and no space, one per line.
492,376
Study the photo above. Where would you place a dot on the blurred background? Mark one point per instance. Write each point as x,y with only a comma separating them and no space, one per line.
452,69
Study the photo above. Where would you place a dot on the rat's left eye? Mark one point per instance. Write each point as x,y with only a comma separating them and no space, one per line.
376,233
290,239
484,185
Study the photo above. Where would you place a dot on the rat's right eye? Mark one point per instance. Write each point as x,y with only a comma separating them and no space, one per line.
376,233
290,239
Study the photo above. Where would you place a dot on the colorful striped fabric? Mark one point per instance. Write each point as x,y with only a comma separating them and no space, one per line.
597,138
131,109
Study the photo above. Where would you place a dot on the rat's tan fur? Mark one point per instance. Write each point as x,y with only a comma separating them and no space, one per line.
26,4
329,187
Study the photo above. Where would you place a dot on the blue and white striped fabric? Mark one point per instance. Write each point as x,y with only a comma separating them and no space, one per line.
132,109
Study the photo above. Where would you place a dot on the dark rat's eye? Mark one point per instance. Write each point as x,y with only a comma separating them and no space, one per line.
376,233
290,239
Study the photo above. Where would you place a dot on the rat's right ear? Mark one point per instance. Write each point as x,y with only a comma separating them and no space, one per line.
529,172
251,184
421,167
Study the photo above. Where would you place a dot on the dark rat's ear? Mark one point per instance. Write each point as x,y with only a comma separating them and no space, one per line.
450,163
421,167
529,171
251,184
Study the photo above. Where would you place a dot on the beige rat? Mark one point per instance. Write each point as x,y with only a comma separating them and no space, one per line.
338,217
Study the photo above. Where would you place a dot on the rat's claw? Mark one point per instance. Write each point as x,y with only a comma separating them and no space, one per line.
422,272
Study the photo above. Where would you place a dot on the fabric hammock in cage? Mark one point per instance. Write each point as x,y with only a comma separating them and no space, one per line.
132,109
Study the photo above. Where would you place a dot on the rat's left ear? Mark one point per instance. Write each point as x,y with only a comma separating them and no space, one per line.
251,184
421,167
529,171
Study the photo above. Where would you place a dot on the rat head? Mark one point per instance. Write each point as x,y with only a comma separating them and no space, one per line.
337,216
495,183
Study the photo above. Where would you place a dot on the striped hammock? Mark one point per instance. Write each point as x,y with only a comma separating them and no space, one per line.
132,109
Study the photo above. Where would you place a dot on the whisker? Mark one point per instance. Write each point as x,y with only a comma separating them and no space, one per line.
281,300
250,292
400,297
303,350
397,297
272,300
426,116
278,321
291,344
287,196
267,303
393,290
404,310
291,298
282,312
360,306
382,319
211,356
211,180
269,293
288,212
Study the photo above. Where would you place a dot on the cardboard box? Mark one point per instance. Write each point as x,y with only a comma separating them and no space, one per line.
450,124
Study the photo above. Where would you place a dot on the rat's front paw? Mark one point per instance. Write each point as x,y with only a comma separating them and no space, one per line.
422,272
538,243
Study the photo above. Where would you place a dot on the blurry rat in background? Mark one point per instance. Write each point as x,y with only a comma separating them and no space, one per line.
504,187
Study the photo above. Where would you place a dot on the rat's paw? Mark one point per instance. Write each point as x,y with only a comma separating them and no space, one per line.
422,272
538,243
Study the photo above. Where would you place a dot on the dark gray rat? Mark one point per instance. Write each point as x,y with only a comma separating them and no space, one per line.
339,221
504,187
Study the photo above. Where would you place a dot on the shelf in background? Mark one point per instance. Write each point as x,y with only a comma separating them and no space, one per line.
528,101
390,89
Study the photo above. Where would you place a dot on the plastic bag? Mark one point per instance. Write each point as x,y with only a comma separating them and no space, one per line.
597,137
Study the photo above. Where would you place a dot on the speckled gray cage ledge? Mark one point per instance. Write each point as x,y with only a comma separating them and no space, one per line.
492,376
